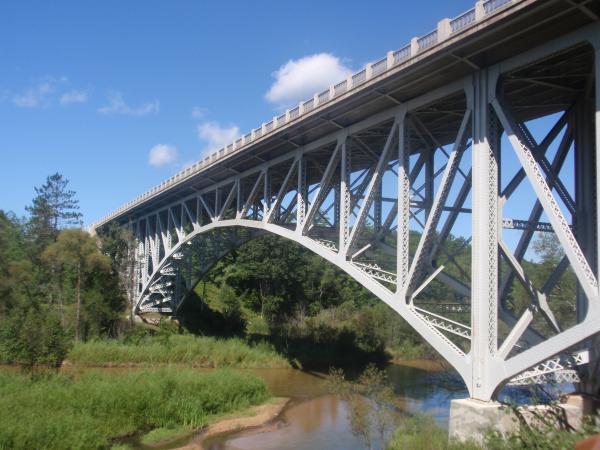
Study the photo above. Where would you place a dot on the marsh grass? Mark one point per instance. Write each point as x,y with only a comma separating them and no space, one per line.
162,435
195,351
94,409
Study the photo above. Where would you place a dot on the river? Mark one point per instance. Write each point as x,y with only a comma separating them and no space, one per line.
314,419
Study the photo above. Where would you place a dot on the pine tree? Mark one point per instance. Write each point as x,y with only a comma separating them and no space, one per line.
54,207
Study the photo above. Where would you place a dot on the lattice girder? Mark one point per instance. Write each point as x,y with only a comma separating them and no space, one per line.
334,197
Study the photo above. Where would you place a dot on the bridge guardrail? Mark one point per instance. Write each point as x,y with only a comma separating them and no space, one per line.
446,28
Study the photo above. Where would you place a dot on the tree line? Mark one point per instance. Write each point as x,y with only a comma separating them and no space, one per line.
57,282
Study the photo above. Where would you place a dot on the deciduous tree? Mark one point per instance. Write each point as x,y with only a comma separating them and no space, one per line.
77,251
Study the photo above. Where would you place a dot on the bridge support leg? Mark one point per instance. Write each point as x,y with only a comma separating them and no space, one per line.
585,188
484,299
588,129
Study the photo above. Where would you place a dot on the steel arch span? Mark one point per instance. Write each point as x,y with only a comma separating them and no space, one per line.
433,204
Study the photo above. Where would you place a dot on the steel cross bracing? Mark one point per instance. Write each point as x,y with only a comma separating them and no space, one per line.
417,203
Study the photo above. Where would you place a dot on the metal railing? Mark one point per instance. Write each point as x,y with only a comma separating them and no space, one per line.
402,55
340,88
379,67
359,77
308,105
462,21
428,40
323,97
281,120
492,5
482,10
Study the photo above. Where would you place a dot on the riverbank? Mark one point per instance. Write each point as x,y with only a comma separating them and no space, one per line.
185,349
97,410
187,438
255,416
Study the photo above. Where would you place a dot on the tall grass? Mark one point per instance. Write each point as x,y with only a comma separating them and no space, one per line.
90,410
420,432
196,351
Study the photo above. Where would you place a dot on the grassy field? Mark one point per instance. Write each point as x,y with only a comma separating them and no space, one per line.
195,351
94,409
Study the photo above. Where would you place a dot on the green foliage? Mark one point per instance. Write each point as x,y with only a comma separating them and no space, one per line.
76,259
314,313
90,410
232,308
276,279
163,435
53,280
29,337
54,207
420,432
546,429
562,297
16,269
373,411
197,351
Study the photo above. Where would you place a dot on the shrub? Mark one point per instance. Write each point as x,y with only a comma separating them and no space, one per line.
30,337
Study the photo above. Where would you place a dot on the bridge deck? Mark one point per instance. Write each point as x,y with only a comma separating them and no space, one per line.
491,32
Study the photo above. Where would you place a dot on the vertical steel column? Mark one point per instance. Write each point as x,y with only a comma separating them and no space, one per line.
139,278
402,260
145,271
484,293
344,200
584,192
336,204
377,205
429,179
217,208
267,194
239,204
592,383
597,155
302,194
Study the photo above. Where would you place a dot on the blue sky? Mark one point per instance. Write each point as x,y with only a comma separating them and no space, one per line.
89,88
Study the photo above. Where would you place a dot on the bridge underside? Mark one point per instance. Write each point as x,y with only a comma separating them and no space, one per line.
440,206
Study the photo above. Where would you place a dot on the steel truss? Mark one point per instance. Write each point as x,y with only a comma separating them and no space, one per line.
383,200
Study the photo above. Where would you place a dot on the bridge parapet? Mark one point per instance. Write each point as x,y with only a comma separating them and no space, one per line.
447,28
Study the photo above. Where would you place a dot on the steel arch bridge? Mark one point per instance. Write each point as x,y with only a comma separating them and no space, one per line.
433,168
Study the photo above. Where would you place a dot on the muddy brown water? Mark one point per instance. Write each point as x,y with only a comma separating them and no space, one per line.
315,419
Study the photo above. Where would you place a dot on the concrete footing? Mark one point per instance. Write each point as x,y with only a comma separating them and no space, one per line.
470,419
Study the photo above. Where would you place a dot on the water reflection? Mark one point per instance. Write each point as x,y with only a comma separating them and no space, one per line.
317,423
316,420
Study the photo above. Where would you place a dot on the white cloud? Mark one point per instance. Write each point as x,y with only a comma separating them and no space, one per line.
47,91
300,78
73,96
161,155
41,94
216,136
199,112
117,105
28,99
